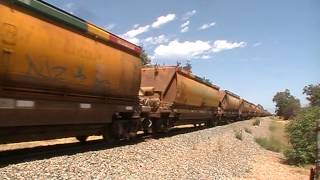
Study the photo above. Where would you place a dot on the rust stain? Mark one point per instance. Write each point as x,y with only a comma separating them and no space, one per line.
9,34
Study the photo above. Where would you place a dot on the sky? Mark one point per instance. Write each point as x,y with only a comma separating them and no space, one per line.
252,48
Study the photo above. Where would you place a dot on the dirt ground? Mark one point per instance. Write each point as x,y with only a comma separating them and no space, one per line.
271,165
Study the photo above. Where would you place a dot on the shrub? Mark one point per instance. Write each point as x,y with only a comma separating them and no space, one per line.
302,136
256,122
239,135
247,130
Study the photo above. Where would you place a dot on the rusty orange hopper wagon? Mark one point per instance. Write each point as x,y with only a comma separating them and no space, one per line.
177,97
230,104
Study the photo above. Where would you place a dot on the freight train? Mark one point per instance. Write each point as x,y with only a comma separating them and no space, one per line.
61,76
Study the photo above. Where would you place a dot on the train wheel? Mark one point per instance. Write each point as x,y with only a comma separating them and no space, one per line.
108,138
147,131
156,125
147,126
210,123
82,139
165,125
108,135
159,126
215,123
133,130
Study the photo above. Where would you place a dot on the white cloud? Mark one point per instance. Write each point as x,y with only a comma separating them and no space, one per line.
185,29
157,40
135,26
109,26
221,45
133,40
132,34
206,26
189,14
69,7
194,49
139,30
163,20
205,57
183,50
257,44
185,24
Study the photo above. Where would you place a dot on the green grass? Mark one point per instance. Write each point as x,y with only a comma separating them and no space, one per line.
271,144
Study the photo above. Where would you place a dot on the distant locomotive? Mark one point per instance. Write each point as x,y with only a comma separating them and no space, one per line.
61,76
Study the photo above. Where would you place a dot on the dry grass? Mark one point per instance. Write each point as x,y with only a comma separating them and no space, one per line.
256,122
278,131
277,140
238,134
271,144
248,130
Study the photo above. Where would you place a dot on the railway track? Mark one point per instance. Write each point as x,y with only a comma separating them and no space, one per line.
44,152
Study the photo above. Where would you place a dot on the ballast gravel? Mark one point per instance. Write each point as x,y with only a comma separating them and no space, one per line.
213,153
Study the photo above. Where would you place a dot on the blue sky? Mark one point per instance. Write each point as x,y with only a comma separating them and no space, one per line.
253,48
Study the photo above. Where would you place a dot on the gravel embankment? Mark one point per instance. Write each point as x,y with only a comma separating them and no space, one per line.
206,154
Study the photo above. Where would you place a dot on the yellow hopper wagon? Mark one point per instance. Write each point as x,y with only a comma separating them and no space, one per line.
61,76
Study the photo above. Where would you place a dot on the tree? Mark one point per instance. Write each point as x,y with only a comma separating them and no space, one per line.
302,136
144,58
287,105
301,130
313,94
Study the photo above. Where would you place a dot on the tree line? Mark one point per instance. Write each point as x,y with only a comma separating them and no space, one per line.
301,129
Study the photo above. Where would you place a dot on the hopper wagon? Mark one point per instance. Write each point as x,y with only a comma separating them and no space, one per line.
229,105
245,109
252,111
61,76
172,96
259,110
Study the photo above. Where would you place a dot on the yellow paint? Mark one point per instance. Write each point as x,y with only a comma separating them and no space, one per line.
38,54
191,92
98,32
